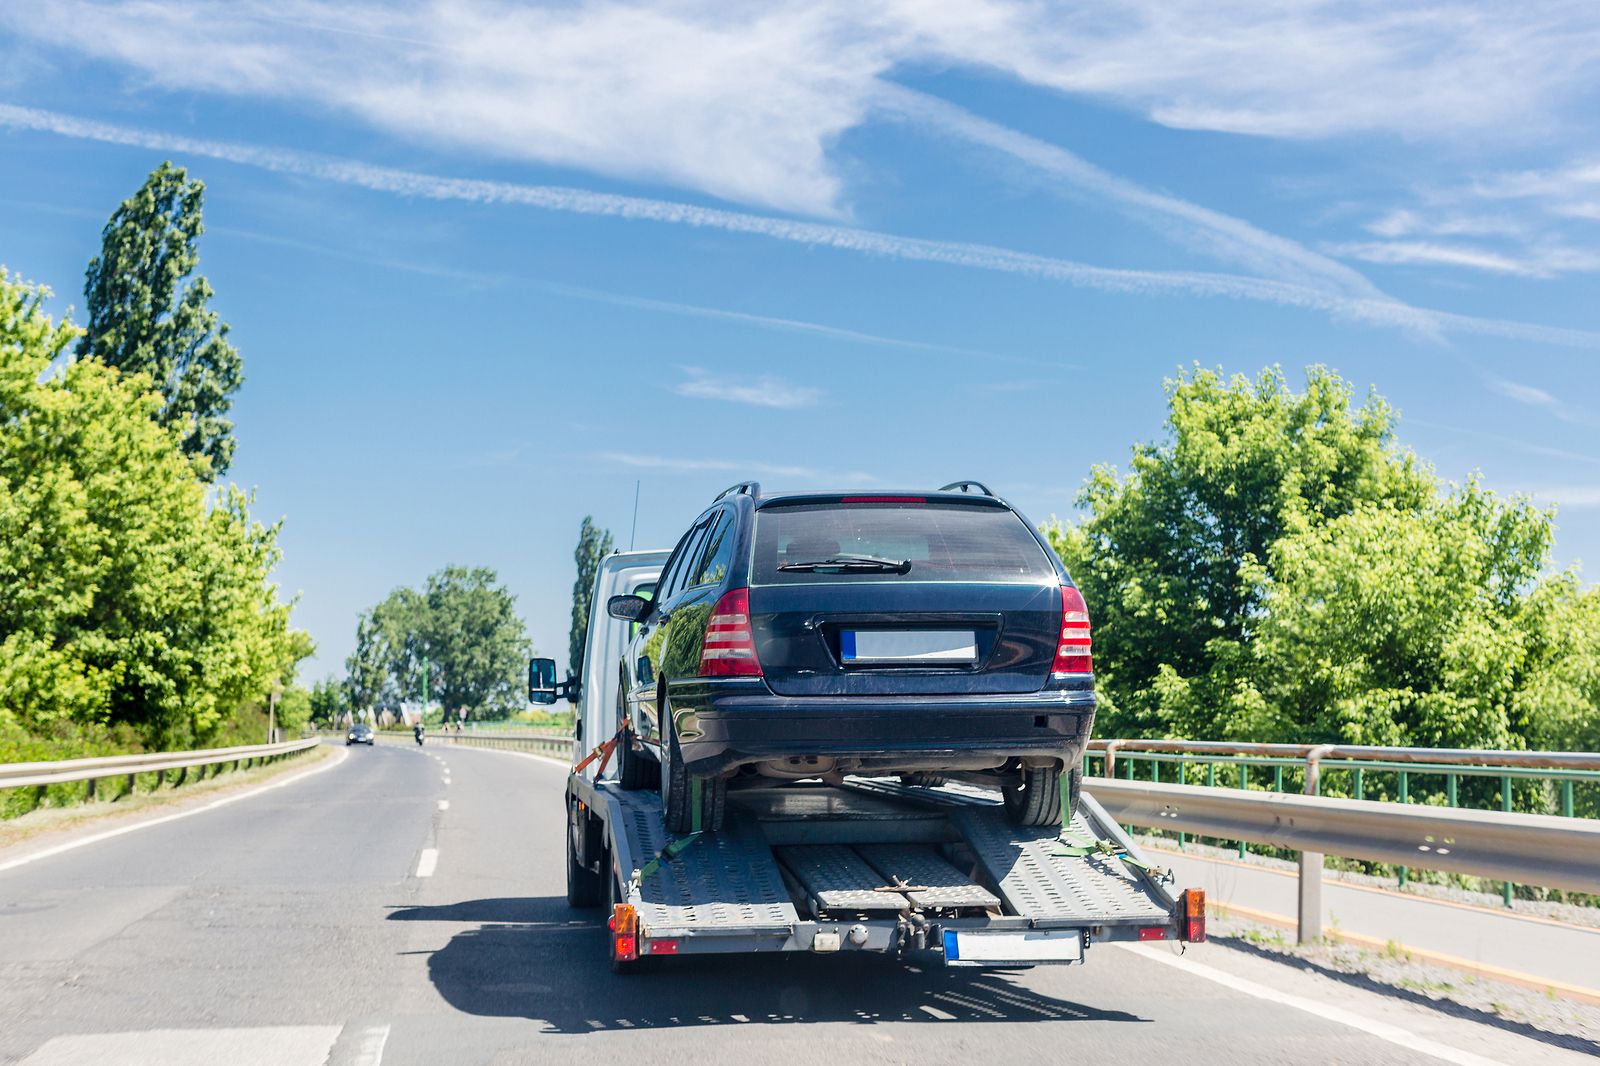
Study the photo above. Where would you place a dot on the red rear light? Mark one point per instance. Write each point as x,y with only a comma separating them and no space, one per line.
730,649
1072,650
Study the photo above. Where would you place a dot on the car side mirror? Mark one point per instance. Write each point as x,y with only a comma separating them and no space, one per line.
628,608
541,680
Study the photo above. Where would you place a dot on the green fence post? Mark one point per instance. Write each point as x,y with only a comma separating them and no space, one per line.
1405,797
1277,779
1450,788
1361,789
1505,805
1244,783
1566,798
1182,837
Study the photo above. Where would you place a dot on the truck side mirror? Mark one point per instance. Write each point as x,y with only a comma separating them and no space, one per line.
541,680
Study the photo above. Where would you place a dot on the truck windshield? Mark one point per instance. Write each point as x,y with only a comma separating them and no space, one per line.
939,541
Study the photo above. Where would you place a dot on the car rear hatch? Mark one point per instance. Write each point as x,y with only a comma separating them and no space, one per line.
880,595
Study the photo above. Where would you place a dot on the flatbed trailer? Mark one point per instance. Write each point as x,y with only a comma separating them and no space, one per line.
928,874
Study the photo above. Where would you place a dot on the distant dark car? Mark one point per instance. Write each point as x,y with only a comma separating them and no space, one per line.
819,634
359,734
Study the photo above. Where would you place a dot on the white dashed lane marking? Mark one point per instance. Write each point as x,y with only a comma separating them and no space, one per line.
427,861
285,1045
444,805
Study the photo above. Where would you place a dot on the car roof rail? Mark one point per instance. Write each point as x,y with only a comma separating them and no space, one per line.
743,488
968,486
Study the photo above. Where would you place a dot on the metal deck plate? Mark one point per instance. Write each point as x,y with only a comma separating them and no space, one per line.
839,879
940,884
724,882
1041,885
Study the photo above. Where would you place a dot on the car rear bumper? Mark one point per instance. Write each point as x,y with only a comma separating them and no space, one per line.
721,727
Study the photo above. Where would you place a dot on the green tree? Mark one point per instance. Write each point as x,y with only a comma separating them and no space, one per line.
330,702
476,641
129,594
1169,555
464,624
367,667
148,316
594,544
294,711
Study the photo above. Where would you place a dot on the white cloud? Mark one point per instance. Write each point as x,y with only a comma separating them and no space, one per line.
1528,394
1210,232
1574,496
756,392
1378,310
1531,262
1533,396
738,467
748,102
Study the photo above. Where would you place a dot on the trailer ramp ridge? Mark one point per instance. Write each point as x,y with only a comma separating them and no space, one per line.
726,882
840,881
1021,861
932,882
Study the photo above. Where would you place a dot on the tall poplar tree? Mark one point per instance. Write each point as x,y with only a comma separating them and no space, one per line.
594,544
149,313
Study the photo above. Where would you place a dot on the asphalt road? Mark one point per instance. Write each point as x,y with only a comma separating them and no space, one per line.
293,928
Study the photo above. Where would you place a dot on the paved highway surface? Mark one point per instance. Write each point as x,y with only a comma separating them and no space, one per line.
406,906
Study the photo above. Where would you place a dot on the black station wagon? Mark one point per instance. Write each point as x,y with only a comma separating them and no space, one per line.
813,635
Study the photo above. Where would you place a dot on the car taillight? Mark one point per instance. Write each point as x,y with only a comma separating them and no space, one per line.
1072,650
729,649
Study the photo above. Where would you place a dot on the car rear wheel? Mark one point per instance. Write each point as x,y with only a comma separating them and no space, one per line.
678,789
1074,789
1034,796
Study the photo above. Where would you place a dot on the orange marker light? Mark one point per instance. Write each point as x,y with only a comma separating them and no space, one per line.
624,932
1193,915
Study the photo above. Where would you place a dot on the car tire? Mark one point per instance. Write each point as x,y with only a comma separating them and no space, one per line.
635,772
1034,796
1074,790
583,885
676,788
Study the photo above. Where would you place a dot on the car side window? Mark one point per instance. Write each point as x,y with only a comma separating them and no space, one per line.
678,573
718,554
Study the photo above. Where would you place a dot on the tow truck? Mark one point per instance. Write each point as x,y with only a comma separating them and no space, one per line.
930,872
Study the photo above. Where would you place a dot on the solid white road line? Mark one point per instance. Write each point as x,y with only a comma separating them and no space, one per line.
1382,1030
370,1050
427,861
339,757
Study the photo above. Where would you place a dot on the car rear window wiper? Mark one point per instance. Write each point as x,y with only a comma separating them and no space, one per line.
847,564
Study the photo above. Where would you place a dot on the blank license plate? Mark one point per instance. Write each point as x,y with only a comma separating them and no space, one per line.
908,646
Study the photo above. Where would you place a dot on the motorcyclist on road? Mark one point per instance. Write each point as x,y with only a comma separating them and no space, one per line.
417,730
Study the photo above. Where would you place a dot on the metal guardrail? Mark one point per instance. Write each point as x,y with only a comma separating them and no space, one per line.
67,771
554,744
1552,851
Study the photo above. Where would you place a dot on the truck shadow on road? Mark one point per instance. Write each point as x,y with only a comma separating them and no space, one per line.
538,959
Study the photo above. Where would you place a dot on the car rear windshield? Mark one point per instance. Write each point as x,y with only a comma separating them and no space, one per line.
941,541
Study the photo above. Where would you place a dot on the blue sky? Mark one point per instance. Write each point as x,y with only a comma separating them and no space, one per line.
490,264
